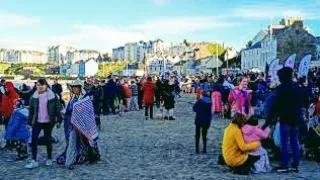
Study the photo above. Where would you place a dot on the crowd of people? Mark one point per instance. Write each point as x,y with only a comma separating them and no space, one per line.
243,99
246,98
26,111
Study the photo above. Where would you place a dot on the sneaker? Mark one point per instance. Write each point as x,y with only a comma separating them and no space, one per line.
172,118
166,118
32,164
48,162
282,170
294,169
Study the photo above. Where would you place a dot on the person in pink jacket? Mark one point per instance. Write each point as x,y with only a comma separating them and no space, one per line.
239,98
252,132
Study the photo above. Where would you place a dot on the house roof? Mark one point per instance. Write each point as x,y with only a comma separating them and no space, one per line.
255,46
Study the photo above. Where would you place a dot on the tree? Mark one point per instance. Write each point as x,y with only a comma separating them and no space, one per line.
295,40
215,49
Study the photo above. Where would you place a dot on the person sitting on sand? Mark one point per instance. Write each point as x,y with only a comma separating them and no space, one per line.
253,132
235,151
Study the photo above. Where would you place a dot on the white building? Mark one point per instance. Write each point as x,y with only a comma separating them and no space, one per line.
159,64
208,65
91,68
130,51
118,53
77,55
58,54
74,69
251,57
22,56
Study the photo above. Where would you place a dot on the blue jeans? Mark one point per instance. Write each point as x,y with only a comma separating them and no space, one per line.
292,132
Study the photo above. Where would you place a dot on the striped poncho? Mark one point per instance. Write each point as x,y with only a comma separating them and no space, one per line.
83,119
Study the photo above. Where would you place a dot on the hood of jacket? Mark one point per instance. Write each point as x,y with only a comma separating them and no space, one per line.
248,130
50,94
206,100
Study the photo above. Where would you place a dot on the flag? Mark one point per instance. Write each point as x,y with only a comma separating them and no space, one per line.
83,118
290,61
273,69
304,66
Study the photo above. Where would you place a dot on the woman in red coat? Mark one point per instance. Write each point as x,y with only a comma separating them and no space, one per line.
148,89
8,101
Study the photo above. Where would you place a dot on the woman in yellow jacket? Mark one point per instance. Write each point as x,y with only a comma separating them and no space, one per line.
235,151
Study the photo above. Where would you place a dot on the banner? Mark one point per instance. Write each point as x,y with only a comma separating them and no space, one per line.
304,66
273,69
290,61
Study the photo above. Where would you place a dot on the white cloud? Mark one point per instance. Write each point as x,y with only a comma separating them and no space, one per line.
104,38
9,20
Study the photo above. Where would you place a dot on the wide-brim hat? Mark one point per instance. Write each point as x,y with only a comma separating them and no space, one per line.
77,83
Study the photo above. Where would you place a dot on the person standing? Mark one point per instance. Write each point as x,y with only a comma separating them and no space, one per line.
110,93
168,99
25,94
148,89
8,100
140,93
239,98
287,106
158,92
135,93
96,95
80,129
57,88
44,113
127,96
203,119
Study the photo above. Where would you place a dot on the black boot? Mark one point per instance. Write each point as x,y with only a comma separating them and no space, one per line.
197,145
204,145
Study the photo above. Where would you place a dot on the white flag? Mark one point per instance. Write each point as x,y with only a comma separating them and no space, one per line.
290,61
273,69
304,66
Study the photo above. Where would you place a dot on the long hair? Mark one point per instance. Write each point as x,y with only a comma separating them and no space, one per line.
239,120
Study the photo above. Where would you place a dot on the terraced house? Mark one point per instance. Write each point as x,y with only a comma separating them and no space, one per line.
280,41
22,56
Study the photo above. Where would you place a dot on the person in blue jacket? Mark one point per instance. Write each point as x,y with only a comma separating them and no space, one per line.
17,133
203,119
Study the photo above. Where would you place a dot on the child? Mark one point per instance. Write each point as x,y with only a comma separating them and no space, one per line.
252,132
203,119
17,133
217,105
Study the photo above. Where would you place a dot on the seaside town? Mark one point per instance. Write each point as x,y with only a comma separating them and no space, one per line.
155,109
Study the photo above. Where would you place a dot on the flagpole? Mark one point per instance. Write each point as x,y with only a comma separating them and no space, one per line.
217,61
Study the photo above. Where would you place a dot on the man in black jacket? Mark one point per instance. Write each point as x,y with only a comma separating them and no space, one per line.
287,106
57,89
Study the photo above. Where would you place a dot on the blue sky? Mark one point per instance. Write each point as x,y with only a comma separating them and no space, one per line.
104,24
